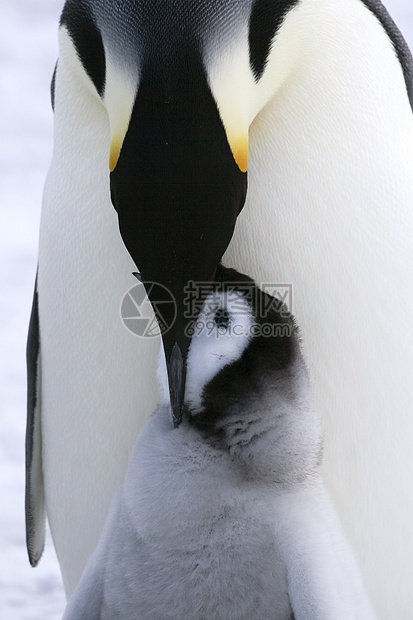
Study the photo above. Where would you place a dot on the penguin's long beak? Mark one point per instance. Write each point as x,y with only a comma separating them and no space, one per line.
173,327
176,378
176,344
178,190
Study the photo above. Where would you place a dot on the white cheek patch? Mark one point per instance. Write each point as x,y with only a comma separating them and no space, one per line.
120,93
121,85
213,346
232,83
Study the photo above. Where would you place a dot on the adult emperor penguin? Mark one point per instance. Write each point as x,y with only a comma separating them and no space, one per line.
226,517
174,96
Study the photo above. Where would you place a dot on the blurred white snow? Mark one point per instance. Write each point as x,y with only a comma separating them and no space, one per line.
28,51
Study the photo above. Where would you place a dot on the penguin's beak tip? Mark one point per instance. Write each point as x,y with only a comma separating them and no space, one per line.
176,378
137,275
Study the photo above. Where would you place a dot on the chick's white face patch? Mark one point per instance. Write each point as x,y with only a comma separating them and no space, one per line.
222,332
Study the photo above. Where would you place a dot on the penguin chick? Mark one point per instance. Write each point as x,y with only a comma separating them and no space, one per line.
226,517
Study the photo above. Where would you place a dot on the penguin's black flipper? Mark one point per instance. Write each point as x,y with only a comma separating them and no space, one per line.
399,43
35,504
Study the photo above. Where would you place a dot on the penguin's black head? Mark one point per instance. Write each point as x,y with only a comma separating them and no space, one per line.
175,222
243,338
247,388
176,186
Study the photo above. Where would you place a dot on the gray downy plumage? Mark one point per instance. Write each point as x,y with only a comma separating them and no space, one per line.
226,517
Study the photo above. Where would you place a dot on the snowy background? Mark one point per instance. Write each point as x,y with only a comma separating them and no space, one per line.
28,51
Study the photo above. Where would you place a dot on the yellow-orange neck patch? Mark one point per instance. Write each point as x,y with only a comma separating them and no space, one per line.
239,148
114,154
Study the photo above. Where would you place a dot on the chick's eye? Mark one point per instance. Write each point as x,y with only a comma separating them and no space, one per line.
222,318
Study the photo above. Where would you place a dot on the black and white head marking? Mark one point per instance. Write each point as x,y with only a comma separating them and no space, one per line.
241,333
246,380
247,385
